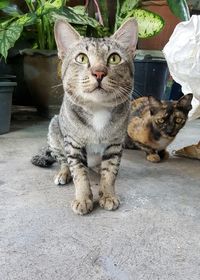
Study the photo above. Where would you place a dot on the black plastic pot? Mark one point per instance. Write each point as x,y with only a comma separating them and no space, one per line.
6,90
151,74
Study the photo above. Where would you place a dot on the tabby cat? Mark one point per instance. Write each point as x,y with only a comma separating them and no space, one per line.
154,124
97,76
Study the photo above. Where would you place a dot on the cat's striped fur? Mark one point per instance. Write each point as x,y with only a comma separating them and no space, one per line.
94,112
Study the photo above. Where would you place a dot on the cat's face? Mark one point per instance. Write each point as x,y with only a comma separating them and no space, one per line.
168,117
97,70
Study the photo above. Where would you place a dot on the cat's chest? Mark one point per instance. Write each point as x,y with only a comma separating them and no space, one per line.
163,143
100,119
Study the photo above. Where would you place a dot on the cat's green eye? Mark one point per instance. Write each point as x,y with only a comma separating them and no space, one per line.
82,58
160,121
114,59
179,120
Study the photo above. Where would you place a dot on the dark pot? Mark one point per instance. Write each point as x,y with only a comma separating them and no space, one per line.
151,74
15,66
6,90
41,78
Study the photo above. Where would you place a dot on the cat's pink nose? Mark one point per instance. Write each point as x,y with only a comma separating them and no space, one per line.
99,73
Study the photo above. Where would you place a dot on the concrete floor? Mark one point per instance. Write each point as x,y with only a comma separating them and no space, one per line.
155,234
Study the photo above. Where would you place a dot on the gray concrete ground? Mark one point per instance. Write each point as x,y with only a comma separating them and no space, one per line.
155,234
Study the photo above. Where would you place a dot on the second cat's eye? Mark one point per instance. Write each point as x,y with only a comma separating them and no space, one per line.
114,59
82,58
179,120
160,121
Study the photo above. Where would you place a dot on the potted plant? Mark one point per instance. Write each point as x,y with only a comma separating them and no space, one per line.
172,12
151,71
35,24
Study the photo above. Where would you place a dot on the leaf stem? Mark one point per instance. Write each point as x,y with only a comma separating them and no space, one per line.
116,16
30,6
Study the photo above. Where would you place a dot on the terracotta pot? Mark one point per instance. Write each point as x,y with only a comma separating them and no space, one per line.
158,41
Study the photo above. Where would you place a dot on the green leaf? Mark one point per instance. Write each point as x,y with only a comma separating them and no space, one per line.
45,9
80,9
5,22
75,17
126,6
27,19
4,4
9,36
57,3
10,31
49,6
149,23
78,19
12,10
179,8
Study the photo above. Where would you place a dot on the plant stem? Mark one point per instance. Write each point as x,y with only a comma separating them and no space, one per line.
30,6
116,16
40,34
49,39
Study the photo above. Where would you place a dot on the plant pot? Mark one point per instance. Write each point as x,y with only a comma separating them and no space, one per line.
6,90
151,74
41,78
15,66
5,68
158,41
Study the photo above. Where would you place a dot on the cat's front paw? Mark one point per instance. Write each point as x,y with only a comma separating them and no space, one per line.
109,202
82,207
164,155
153,158
63,177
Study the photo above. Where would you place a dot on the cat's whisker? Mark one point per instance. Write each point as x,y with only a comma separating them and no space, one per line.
56,86
126,87
124,93
76,98
113,83
136,93
115,99
119,95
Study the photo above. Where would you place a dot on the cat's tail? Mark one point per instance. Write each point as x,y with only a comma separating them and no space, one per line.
129,143
44,158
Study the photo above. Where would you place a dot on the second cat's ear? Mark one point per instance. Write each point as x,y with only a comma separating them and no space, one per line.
65,36
154,105
127,35
184,103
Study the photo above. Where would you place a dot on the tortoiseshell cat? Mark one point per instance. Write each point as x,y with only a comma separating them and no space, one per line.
97,76
154,124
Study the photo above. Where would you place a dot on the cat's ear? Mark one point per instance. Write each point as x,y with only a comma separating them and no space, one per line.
127,35
154,105
65,36
184,103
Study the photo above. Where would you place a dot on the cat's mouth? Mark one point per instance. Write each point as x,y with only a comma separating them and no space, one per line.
98,89
169,135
